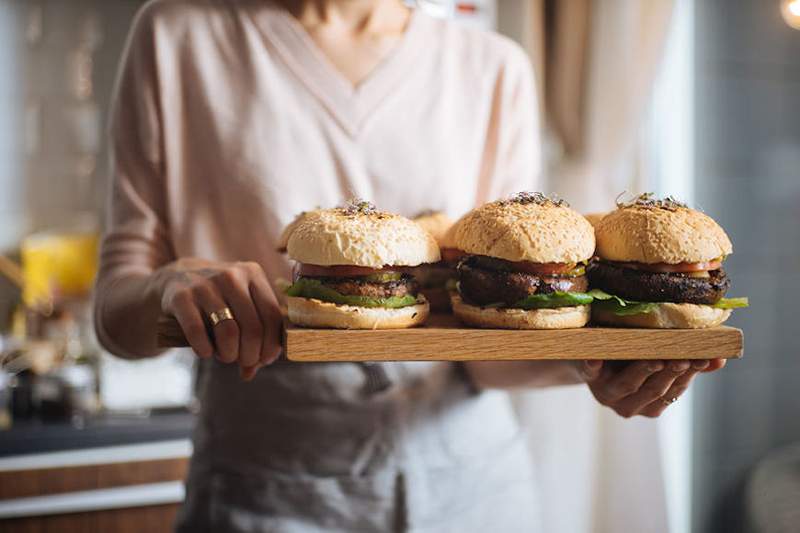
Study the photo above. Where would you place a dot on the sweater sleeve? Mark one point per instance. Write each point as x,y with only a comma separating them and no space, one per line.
136,240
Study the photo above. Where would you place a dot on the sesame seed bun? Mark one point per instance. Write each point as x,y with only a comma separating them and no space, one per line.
653,234
521,229
364,238
507,318
312,313
665,316
594,218
438,225
283,240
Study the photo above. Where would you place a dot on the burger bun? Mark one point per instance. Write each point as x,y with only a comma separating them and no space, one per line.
507,318
644,234
439,226
521,229
365,238
313,313
665,316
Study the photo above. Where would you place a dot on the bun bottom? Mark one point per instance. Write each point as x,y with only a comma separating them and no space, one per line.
558,318
312,313
666,316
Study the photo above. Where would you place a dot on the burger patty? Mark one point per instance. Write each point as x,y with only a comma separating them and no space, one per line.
407,285
434,274
642,286
481,286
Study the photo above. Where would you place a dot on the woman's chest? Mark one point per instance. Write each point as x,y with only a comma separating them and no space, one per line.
270,135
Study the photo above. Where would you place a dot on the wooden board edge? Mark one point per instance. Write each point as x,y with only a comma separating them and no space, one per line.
292,338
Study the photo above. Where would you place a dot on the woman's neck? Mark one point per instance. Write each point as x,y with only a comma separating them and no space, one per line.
357,16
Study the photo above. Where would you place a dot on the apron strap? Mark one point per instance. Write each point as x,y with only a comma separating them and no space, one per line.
376,379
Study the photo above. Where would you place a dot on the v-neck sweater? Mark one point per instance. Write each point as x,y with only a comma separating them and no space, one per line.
228,121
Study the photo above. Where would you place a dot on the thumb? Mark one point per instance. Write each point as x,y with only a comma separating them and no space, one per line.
590,370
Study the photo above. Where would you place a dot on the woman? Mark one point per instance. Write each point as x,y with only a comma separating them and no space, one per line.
231,117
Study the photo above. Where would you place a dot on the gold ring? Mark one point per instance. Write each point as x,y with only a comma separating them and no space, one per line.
668,401
219,316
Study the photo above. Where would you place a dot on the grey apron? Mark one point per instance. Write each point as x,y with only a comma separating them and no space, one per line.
343,447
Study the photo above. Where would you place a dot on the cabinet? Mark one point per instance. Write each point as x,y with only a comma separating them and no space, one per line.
116,489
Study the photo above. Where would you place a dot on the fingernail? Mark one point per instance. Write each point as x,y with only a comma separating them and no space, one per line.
700,364
593,365
655,366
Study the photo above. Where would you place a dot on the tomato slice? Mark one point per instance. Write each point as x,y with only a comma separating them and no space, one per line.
451,254
338,271
678,267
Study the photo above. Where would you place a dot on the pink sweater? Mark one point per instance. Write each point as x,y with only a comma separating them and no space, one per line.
228,121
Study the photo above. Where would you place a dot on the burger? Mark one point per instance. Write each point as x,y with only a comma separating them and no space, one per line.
436,280
659,265
594,218
351,269
283,240
525,265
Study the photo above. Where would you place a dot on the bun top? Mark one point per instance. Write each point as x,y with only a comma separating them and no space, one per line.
594,218
439,225
660,231
362,236
526,227
283,240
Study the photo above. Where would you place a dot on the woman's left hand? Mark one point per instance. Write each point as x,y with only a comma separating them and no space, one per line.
643,388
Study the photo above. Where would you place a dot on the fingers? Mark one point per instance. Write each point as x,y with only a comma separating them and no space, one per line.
267,306
248,373
612,387
589,370
234,283
226,333
679,386
646,387
193,290
185,310
715,364
653,389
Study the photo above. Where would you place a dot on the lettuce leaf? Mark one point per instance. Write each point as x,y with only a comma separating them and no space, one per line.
555,299
313,288
622,307
626,308
732,303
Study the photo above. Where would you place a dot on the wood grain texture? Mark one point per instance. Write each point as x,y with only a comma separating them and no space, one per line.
443,338
47,481
50,481
152,519
169,333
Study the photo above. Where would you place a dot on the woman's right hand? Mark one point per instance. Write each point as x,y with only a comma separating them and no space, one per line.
191,289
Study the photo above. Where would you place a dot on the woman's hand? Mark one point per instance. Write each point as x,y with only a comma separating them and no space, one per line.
192,289
643,388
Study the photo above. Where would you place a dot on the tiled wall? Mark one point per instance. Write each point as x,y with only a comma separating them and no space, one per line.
748,172
61,58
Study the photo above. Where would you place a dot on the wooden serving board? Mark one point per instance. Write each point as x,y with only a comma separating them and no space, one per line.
444,338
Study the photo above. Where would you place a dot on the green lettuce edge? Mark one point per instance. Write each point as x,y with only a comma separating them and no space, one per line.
621,307
554,300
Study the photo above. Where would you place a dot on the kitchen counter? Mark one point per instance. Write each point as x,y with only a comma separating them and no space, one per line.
26,438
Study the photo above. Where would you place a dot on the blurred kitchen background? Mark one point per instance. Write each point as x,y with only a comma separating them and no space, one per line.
693,98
